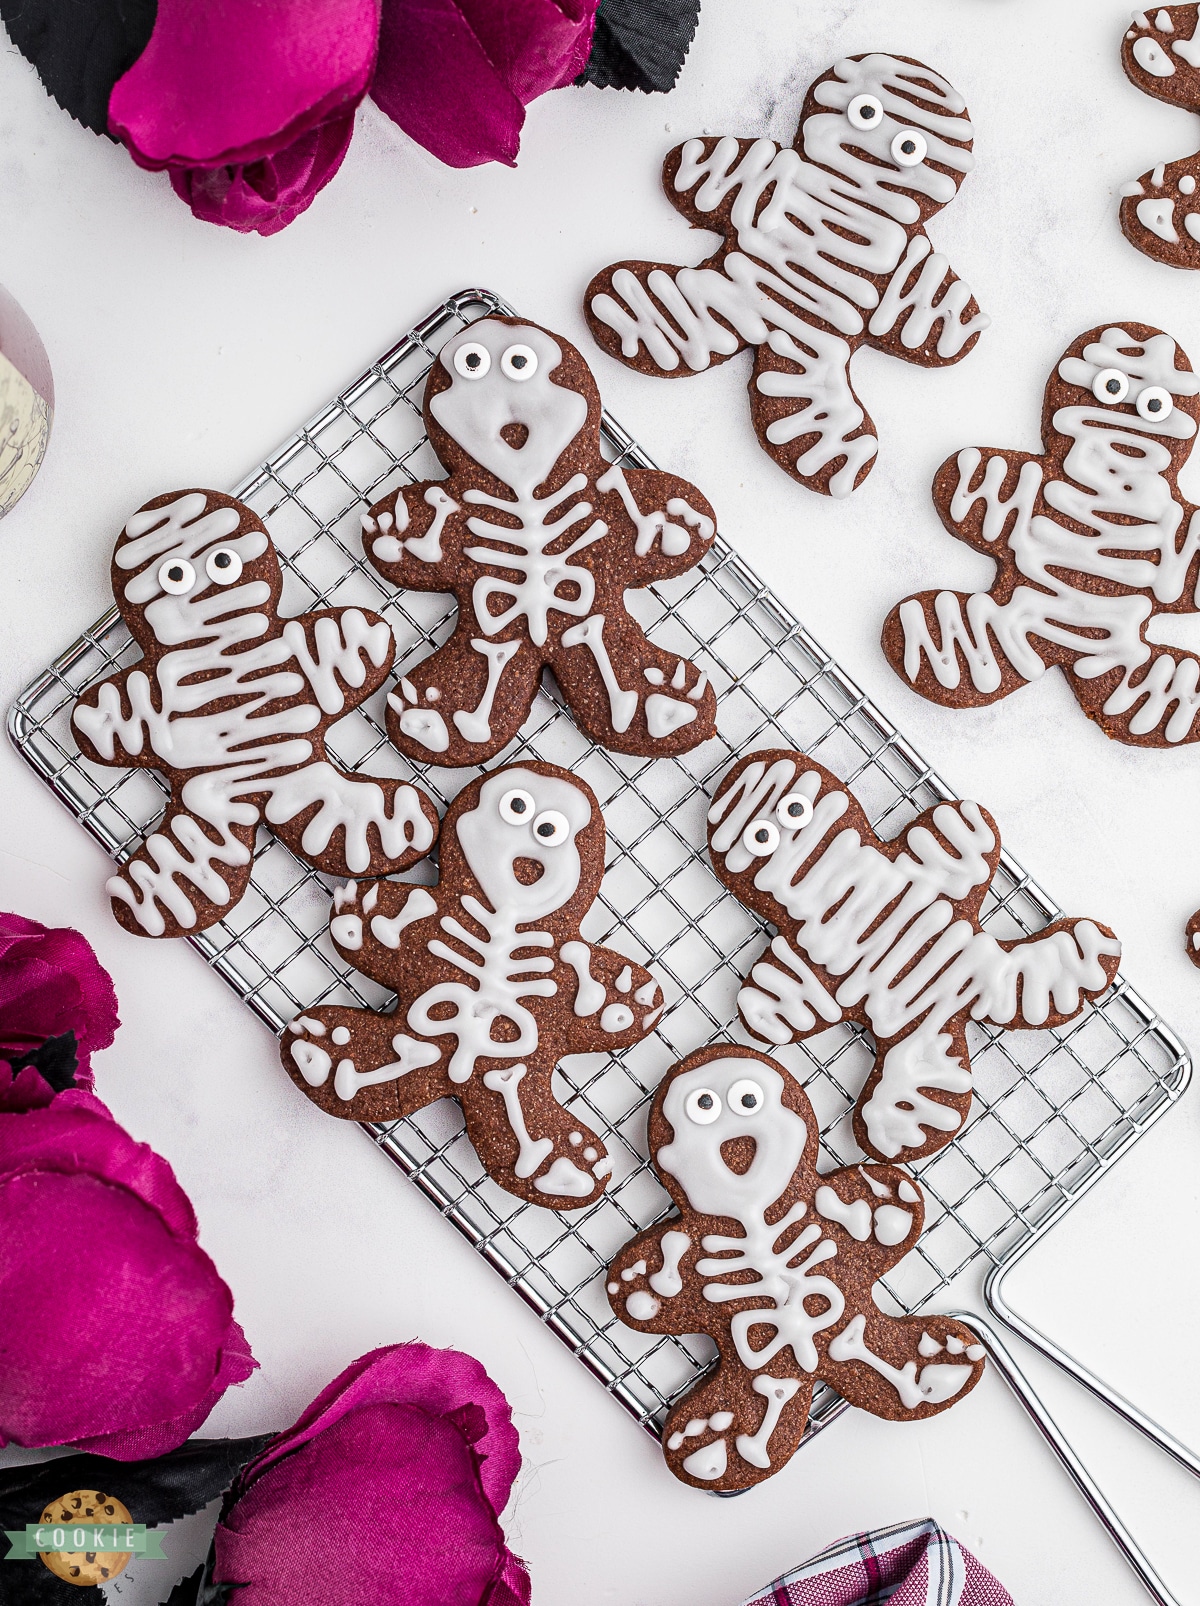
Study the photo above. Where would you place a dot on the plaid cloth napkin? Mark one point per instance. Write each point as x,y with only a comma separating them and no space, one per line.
911,1564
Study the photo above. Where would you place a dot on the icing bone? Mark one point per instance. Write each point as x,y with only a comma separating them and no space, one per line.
1090,541
777,1266
825,251
494,985
887,934
1160,211
231,703
539,538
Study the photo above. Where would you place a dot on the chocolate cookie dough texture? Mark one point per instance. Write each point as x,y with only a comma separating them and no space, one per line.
776,1264
1160,212
887,934
1091,539
538,538
494,986
824,251
231,703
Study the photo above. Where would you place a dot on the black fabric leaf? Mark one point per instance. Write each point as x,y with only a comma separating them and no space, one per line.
639,44
55,1060
80,48
31,1583
186,1590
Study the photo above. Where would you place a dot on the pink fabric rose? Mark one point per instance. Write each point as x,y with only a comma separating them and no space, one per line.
51,984
388,1487
117,1333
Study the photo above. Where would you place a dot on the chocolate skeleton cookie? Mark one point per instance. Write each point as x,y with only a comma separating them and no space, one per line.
825,251
1091,540
887,934
776,1263
539,538
494,986
231,704
1160,212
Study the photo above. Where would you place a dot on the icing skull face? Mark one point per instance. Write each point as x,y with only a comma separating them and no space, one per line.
525,820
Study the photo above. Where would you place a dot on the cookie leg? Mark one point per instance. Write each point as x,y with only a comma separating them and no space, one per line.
946,645
736,1427
187,875
351,825
629,695
528,1144
1155,705
917,1096
903,1369
360,1065
465,702
806,414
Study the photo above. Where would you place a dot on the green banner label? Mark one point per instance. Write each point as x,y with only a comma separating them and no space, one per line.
78,1538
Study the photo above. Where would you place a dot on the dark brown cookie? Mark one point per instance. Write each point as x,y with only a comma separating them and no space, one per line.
538,537
231,704
825,251
1160,212
494,986
777,1264
888,934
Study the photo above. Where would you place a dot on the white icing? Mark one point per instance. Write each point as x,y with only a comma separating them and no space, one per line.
650,527
667,1281
975,1352
616,1018
622,704
566,1179
1152,58
667,714
428,547
1156,215
302,1023
908,1193
856,1217
474,725
936,1383
1162,21
709,1462
878,1187
718,1422
589,993
507,1082
643,1307
419,905
311,1061
314,1064
1187,184
929,1347
892,1225
646,994
1192,224
347,932
340,1035
777,1391
638,1269
624,981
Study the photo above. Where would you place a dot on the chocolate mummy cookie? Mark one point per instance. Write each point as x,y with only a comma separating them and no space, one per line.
494,985
887,934
539,538
776,1263
230,703
1091,540
1160,212
825,251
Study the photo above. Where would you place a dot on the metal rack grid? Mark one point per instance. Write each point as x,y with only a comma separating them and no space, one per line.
1053,1109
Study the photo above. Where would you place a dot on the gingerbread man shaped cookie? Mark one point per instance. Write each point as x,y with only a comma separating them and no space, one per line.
887,934
1160,212
825,251
231,703
1091,540
539,538
494,986
734,1141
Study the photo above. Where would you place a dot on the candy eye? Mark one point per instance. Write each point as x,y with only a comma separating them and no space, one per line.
472,361
1110,386
702,1106
519,362
1154,404
223,566
745,1098
516,807
864,111
551,828
177,576
909,149
761,837
793,811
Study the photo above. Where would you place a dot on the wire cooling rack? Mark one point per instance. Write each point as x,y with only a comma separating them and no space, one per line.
1053,1110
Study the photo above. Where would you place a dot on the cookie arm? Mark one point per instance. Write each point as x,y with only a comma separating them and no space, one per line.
467,700
612,1002
927,314
415,536
651,1286
114,720
188,874
347,824
949,646
527,1142
987,496
736,1427
1045,979
903,1369
343,653
361,1065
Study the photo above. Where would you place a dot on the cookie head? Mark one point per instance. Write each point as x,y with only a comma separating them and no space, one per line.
768,815
1130,378
510,396
525,838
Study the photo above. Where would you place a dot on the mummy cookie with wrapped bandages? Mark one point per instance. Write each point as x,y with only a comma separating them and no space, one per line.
776,1264
231,704
1160,212
539,538
825,251
887,934
494,986
1091,540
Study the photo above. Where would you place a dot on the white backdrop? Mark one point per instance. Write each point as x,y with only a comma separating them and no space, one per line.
183,353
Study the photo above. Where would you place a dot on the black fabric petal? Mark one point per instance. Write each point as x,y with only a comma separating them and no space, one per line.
80,48
639,44
55,1060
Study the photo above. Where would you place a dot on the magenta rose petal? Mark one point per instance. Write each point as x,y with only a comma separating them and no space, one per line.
51,982
535,45
265,196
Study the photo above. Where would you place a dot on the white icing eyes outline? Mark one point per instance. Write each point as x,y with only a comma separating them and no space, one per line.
1110,386
761,838
550,828
223,566
176,576
516,807
745,1098
909,148
519,363
472,360
864,111
702,1106
1155,404
793,811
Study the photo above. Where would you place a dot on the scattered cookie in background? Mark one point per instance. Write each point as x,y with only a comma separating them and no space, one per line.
26,402
825,251
1160,212
231,703
734,1141
888,934
538,537
494,986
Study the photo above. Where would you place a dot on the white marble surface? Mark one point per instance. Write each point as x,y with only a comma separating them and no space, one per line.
183,353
